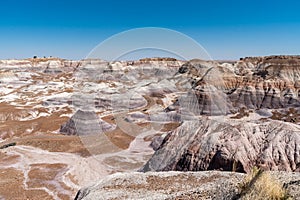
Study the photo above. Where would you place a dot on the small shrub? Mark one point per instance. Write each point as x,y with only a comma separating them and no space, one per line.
261,185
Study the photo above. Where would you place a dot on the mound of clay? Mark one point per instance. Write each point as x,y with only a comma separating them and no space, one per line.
85,123
213,145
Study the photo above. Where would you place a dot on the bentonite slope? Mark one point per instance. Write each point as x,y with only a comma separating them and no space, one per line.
270,84
85,123
212,145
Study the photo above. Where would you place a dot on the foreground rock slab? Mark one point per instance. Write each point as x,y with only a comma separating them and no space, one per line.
161,185
177,185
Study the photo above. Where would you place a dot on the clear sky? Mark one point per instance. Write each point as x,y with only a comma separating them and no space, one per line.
227,29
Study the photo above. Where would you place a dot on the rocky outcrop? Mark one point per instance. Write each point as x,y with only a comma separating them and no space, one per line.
278,59
169,62
177,185
85,123
163,185
157,59
229,146
270,82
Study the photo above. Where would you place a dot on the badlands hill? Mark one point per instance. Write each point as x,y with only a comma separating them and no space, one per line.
68,124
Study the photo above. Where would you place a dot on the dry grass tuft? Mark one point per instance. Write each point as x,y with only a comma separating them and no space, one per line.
261,185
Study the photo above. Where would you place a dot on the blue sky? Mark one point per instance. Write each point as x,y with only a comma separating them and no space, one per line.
227,29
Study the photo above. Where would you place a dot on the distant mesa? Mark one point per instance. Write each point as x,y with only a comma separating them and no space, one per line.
158,59
277,59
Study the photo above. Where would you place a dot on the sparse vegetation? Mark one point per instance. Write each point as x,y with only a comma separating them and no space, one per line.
243,112
260,185
262,73
157,59
290,115
8,145
36,59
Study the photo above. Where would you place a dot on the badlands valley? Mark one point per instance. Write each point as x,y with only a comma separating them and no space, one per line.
156,128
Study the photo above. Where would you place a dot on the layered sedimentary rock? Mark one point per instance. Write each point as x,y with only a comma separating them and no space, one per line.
85,123
270,82
214,145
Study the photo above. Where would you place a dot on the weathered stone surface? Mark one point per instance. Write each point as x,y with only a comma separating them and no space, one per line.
177,185
163,185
